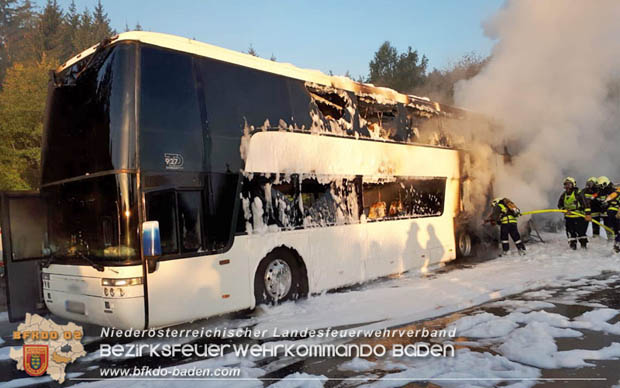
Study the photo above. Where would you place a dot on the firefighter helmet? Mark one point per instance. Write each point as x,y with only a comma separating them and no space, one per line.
603,181
592,182
495,201
570,180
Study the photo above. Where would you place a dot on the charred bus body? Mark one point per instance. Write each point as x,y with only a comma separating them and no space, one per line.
256,172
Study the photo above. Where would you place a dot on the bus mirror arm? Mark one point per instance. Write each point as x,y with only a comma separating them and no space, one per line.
151,263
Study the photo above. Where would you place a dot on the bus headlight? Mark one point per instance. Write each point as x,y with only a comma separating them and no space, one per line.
121,282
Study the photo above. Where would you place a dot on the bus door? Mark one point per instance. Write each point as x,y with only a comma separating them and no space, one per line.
24,235
184,284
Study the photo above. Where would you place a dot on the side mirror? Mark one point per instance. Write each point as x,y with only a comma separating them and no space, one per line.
151,243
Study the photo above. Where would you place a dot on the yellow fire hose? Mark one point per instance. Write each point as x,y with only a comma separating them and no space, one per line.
607,229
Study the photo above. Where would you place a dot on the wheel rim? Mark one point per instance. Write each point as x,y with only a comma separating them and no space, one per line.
465,244
278,279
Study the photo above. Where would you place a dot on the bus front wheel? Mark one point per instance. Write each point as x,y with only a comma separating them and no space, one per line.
279,277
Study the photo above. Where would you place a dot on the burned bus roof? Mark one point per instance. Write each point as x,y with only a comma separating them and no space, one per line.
191,46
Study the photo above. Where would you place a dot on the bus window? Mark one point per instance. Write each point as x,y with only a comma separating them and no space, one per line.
162,207
330,103
381,119
377,197
284,212
236,95
423,197
404,197
320,203
279,201
189,220
219,204
170,121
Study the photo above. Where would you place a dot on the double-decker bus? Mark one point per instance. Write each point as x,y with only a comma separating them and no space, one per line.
181,181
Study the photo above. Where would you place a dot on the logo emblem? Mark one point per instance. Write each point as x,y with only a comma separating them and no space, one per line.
35,359
173,161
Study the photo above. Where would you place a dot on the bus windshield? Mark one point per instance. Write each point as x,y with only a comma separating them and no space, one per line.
94,217
89,126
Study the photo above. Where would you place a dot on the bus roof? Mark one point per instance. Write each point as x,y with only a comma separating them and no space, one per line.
191,46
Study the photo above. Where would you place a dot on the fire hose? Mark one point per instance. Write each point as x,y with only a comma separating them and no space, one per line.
607,229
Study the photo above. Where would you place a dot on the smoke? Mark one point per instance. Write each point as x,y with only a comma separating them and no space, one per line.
553,84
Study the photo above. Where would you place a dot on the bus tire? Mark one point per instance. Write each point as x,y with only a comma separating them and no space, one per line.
464,244
280,276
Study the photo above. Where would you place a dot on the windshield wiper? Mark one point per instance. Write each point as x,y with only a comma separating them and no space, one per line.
48,261
96,266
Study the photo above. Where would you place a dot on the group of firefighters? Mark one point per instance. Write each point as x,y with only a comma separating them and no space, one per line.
597,202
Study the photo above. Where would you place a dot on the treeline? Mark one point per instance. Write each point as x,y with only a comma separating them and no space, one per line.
33,41
408,72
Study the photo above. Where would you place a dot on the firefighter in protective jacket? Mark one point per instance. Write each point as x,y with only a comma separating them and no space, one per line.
610,206
505,213
609,202
573,201
591,194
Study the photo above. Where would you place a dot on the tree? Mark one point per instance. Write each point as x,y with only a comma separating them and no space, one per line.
48,35
82,38
402,72
101,24
439,84
16,22
251,51
71,27
22,106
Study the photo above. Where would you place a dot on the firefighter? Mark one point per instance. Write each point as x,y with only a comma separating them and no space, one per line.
573,201
505,214
609,208
610,199
614,200
590,194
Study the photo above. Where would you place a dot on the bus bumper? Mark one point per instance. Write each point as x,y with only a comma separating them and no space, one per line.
122,313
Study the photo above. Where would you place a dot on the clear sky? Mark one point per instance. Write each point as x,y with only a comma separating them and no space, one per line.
336,35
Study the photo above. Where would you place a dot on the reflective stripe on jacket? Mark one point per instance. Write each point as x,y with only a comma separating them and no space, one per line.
506,216
573,201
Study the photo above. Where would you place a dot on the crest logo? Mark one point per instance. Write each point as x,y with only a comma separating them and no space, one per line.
36,359
49,350
173,161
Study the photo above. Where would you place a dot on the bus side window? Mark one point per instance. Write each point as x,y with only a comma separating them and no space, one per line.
383,200
423,196
319,203
285,211
162,207
189,220
218,208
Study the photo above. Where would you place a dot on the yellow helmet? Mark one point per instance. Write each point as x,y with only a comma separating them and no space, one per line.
603,181
593,179
570,180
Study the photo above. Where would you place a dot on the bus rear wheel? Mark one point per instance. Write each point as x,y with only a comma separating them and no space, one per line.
463,244
278,278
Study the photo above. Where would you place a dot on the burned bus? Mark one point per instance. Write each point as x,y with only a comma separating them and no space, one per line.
181,181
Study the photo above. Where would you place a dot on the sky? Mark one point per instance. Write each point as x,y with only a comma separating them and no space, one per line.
336,35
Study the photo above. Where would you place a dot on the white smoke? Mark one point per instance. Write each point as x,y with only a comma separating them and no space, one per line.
552,82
